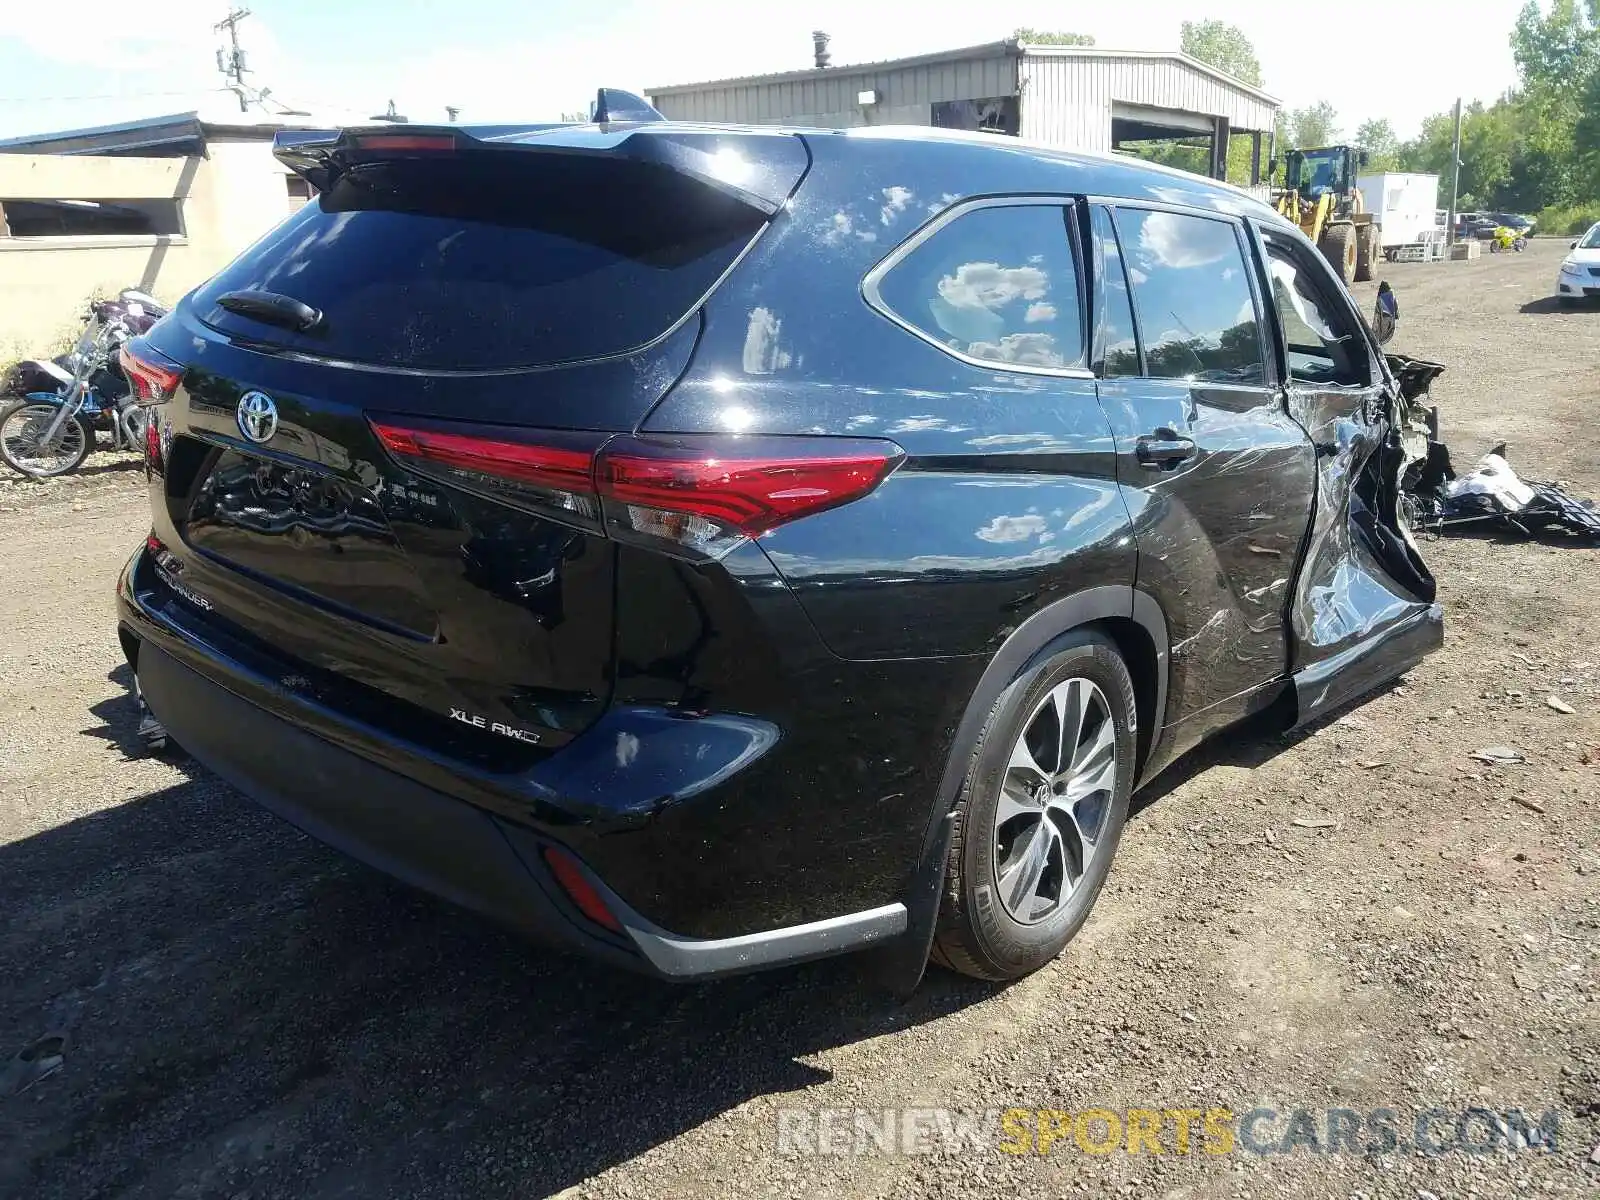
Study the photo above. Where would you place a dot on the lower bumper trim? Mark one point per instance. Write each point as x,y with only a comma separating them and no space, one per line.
698,957
446,846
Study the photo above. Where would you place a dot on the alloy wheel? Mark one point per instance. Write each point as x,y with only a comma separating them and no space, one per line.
1054,800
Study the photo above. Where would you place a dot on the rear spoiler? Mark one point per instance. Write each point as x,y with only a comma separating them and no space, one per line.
623,127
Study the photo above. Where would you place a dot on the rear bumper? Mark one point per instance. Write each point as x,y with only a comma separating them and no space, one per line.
424,836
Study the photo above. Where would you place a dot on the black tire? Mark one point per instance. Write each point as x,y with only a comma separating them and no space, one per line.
1367,252
70,463
1338,246
976,934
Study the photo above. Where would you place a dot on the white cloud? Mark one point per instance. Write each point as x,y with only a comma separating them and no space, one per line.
1024,349
1183,242
841,227
895,200
1012,529
762,354
1040,311
991,286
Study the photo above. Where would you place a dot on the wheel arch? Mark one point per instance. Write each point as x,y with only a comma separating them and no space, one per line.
1130,618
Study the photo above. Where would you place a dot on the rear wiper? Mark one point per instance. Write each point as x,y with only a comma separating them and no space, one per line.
272,309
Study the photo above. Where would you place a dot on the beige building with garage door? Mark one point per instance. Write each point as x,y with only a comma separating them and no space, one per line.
159,204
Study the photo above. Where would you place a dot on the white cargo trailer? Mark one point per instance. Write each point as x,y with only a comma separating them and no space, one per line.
1403,205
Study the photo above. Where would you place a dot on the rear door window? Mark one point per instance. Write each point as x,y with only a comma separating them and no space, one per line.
997,284
1322,345
485,260
1191,286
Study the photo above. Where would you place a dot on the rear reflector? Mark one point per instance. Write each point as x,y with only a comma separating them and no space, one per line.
579,890
153,376
695,495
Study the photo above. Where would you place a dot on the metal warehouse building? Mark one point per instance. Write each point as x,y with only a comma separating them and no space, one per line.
1076,97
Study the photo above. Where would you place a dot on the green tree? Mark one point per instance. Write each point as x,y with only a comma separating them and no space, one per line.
1223,46
1314,125
1042,37
1377,137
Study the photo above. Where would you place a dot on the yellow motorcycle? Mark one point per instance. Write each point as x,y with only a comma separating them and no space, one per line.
1506,238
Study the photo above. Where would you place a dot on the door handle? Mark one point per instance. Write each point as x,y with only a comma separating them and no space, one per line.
1163,450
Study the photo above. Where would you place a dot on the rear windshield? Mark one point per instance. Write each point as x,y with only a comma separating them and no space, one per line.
486,260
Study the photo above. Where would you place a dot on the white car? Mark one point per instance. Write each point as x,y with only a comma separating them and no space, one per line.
1580,270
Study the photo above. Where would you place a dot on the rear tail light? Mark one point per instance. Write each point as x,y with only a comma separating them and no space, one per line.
555,472
698,496
153,376
708,494
583,894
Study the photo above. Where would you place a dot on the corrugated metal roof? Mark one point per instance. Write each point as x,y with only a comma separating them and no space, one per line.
985,50
1176,56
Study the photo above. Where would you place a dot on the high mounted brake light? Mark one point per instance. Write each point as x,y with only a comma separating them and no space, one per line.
153,376
403,141
693,495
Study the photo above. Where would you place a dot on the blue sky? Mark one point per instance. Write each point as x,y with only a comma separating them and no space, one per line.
501,60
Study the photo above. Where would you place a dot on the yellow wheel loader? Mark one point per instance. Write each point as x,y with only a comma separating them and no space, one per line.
1319,194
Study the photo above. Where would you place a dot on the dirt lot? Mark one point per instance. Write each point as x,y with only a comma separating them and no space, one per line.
1363,918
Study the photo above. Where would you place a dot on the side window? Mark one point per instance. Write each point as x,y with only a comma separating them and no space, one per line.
997,284
1191,285
1116,320
1322,346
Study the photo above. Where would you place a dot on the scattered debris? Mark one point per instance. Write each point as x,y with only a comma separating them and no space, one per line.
1500,756
1303,823
1560,705
1530,805
39,1059
1493,496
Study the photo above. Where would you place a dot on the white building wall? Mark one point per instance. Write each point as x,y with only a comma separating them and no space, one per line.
1068,97
228,200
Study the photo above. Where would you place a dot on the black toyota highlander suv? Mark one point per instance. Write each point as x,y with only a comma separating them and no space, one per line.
708,548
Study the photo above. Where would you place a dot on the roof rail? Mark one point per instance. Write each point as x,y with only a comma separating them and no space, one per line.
614,104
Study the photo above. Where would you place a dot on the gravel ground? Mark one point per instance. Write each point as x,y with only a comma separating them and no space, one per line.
1366,917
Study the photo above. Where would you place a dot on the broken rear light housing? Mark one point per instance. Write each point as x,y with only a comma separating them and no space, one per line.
153,376
694,495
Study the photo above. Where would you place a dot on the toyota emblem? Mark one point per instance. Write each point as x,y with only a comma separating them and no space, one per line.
257,416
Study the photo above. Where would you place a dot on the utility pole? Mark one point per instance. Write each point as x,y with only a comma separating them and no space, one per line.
231,61
1455,178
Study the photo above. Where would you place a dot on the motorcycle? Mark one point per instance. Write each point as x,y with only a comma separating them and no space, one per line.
1505,238
54,407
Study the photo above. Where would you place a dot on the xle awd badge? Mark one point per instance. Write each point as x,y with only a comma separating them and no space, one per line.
479,721
257,416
